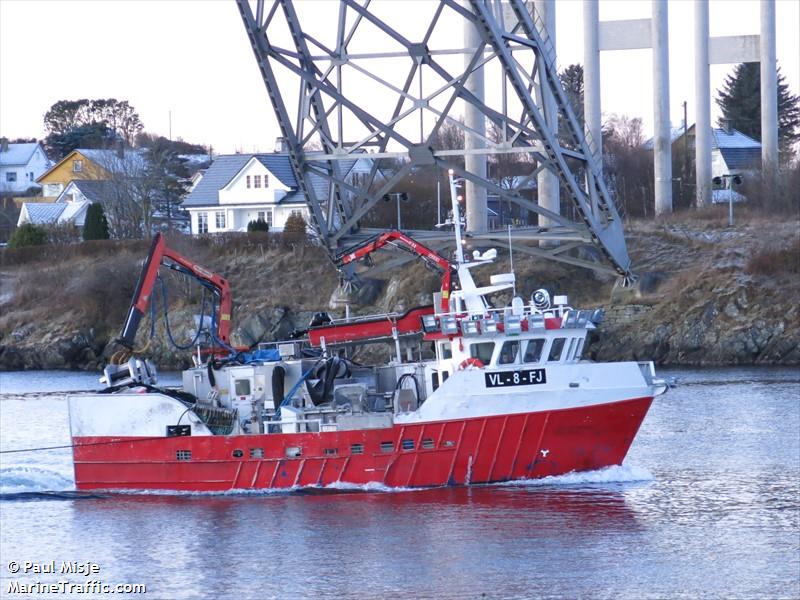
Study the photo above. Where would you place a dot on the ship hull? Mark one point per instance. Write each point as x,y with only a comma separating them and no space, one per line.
455,452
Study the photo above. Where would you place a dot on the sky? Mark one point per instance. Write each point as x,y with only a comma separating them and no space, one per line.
188,65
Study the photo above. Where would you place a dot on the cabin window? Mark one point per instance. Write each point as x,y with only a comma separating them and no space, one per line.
220,219
571,347
408,444
356,448
256,453
556,349
202,222
509,353
237,453
579,349
257,181
483,351
428,444
293,451
242,387
533,351
183,455
446,350
330,451
387,446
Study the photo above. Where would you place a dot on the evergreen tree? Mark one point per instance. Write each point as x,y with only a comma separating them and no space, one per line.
572,82
96,225
740,102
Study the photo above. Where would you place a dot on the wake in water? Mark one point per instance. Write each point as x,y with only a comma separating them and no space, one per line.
612,474
33,479
18,483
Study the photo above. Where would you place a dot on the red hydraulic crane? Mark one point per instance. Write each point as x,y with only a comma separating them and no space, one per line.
160,255
400,240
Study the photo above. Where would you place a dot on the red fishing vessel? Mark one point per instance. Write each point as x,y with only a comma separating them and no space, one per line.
506,395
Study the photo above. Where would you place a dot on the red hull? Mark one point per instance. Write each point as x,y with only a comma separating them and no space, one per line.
478,450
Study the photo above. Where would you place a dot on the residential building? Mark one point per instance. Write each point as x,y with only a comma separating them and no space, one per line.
89,164
21,165
240,188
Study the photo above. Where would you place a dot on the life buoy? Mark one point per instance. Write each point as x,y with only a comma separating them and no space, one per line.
471,362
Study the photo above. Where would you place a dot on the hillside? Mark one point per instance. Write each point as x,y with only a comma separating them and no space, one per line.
707,295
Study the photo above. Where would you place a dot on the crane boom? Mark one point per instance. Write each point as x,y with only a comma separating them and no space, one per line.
401,240
160,254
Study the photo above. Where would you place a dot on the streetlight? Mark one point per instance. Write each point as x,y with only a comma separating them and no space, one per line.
730,179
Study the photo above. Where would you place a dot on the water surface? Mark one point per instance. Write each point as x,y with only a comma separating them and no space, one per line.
707,504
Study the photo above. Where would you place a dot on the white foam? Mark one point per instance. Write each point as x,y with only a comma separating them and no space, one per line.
613,474
372,486
16,480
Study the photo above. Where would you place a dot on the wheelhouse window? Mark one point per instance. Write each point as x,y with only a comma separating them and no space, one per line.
556,349
446,350
220,219
509,353
202,222
483,351
533,351
570,348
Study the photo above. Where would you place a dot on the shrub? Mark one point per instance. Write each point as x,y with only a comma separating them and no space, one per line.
772,261
28,235
295,229
258,225
96,225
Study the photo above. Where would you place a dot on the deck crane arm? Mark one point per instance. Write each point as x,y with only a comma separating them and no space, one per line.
160,254
401,240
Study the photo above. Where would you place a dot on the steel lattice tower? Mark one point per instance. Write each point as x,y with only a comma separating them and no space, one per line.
384,77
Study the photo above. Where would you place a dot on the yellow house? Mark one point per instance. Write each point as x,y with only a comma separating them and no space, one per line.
83,164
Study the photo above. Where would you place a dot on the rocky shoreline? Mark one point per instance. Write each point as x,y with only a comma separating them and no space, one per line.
709,308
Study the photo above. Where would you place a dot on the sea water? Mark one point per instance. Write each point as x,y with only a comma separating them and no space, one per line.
707,504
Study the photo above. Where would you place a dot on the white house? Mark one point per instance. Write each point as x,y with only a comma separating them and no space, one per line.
70,206
21,165
240,188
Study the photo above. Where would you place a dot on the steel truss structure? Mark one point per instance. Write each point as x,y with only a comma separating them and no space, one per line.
369,77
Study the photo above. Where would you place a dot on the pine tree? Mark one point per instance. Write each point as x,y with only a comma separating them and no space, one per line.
96,225
572,82
740,102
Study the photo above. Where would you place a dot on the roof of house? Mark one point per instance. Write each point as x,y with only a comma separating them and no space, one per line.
94,190
42,213
226,166
18,154
738,150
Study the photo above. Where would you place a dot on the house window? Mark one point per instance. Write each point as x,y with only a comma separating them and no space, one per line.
262,216
296,212
257,181
202,222
77,166
11,176
268,218
30,176
220,216
266,181
248,181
